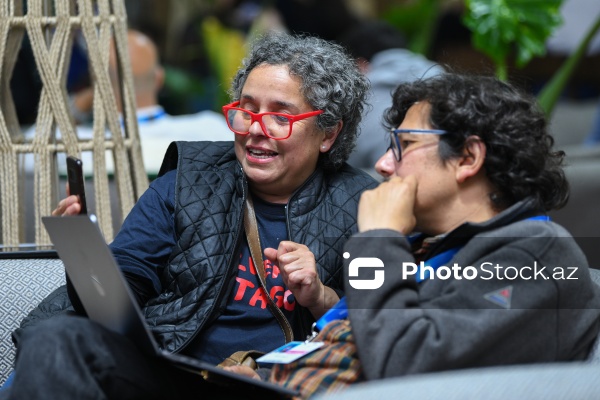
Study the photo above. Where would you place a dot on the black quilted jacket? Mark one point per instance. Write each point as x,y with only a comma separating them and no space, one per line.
210,192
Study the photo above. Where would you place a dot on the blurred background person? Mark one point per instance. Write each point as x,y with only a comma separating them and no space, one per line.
156,128
380,51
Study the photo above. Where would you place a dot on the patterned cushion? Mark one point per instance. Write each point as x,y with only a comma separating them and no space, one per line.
23,284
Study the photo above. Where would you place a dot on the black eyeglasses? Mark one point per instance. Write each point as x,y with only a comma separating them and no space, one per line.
395,143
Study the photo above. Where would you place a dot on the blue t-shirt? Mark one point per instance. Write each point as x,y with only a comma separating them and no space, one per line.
246,323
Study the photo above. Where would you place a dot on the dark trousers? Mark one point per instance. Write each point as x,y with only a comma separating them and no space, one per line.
69,357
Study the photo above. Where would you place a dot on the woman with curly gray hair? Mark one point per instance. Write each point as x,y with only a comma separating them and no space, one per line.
329,81
184,247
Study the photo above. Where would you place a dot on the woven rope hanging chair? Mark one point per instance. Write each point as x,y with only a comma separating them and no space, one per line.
51,26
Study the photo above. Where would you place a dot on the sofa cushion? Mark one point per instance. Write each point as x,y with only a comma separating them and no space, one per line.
23,284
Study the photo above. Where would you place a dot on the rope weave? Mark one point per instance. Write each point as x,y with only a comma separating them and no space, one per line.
51,33
9,181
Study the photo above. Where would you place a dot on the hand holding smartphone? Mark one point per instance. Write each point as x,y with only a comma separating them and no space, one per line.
76,181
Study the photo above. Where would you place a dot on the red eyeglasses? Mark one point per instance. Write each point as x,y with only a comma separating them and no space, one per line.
275,125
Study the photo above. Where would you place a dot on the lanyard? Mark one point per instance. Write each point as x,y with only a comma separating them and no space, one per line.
147,118
142,119
340,309
437,261
539,218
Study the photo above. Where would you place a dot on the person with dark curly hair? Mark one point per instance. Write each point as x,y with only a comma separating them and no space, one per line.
488,279
297,102
519,161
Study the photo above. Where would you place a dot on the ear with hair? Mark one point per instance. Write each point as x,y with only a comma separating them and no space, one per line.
363,65
472,159
330,135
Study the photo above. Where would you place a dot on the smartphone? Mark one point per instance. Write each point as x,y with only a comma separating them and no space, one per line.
76,181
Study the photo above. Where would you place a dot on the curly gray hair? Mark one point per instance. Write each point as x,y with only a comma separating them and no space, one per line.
330,79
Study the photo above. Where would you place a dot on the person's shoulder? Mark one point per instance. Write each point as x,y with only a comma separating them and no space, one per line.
541,226
206,115
203,125
164,181
207,148
351,178
198,154
348,170
537,235
201,154
401,65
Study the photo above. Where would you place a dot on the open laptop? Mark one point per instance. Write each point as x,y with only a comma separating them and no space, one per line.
107,299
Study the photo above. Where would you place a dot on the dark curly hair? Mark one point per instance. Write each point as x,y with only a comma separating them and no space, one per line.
331,82
520,161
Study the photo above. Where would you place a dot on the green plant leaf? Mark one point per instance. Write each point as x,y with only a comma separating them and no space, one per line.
417,20
500,27
549,95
